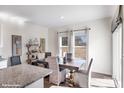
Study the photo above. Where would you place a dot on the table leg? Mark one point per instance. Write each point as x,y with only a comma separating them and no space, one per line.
71,79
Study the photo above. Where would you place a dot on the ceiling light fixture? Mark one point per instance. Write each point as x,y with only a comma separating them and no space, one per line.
62,17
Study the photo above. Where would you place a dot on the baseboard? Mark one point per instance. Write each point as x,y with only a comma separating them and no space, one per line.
116,83
103,74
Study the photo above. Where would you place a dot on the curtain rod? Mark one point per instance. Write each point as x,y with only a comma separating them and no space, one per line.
75,30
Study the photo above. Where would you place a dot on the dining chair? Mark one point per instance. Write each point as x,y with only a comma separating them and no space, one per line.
68,56
58,75
82,77
40,59
47,54
15,60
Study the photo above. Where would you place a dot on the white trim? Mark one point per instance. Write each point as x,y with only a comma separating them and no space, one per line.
117,67
1,37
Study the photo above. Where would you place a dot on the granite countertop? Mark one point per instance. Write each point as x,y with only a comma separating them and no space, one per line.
21,75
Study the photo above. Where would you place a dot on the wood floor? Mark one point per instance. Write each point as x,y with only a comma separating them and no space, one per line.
94,75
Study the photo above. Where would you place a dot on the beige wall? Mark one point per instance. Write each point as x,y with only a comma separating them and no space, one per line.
27,31
99,40
100,47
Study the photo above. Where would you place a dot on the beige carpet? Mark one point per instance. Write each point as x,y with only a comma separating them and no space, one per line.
96,83
102,83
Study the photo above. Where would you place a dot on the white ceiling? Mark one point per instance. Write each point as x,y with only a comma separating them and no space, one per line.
49,15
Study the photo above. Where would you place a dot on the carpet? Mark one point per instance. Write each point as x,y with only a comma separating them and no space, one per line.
102,83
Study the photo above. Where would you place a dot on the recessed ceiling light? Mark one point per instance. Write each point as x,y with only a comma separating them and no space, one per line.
62,17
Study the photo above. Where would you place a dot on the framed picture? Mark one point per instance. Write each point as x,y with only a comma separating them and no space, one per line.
16,45
42,44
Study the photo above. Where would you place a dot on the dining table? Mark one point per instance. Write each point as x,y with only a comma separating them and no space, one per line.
74,64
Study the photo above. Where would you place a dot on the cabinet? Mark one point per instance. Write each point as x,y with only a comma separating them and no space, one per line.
37,84
3,64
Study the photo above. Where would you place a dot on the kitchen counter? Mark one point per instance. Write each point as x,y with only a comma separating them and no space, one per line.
22,75
3,63
1,59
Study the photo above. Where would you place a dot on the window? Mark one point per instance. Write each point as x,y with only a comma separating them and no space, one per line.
80,40
64,41
63,45
80,48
